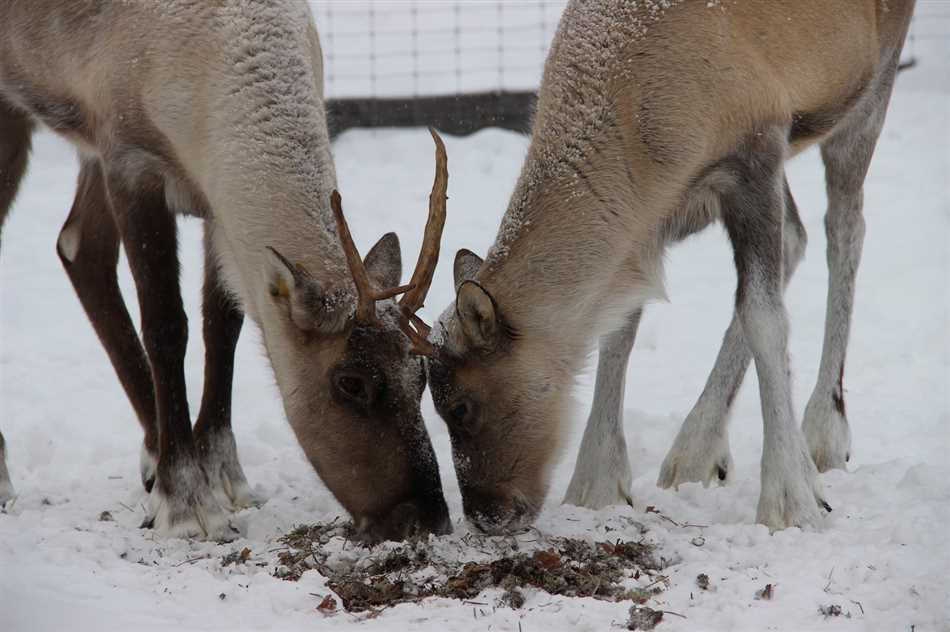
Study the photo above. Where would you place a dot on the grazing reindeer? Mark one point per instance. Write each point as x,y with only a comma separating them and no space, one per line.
216,110
656,118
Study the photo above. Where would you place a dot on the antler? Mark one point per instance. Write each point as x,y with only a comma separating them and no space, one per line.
428,256
366,295
414,293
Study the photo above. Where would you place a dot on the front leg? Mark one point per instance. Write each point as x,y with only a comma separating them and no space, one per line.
181,503
753,212
602,474
217,450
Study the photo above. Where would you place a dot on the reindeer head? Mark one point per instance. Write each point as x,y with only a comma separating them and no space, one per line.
502,394
351,380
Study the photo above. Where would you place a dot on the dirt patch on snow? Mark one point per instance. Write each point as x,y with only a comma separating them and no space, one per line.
368,579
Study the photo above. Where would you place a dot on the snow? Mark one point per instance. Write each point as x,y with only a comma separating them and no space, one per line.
884,557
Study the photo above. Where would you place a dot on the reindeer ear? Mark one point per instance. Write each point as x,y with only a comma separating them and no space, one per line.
295,292
384,262
467,264
476,311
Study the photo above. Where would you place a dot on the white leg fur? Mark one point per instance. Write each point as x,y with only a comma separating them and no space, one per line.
846,157
187,508
225,474
825,425
790,494
602,474
700,452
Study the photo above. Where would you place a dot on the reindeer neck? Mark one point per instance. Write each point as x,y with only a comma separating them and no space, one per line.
270,178
570,259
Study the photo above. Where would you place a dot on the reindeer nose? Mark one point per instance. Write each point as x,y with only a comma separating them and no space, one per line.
495,514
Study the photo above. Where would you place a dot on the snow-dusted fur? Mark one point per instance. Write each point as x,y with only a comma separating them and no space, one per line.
656,118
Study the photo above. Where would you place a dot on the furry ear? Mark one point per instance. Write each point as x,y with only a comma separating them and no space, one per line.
476,311
295,292
467,264
384,262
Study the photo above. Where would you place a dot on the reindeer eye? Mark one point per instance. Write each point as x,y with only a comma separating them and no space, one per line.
460,411
354,387
351,386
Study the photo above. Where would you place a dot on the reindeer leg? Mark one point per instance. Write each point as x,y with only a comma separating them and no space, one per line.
213,436
846,155
7,493
181,503
753,212
602,474
700,453
88,247
15,132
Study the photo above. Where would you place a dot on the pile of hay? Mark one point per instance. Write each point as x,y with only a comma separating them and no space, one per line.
461,568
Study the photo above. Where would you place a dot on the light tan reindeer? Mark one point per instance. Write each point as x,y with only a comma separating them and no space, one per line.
215,109
656,118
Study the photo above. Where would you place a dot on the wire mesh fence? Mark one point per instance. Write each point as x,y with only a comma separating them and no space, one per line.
411,48
467,64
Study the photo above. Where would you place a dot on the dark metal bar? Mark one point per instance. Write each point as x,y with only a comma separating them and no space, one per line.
458,115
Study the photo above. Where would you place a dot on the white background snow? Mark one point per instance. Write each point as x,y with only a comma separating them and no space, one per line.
884,557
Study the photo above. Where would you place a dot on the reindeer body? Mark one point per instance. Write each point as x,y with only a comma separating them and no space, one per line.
215,109
226,115
654,119
634,118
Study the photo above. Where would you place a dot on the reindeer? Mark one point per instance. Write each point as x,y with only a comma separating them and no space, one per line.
216,110
655,119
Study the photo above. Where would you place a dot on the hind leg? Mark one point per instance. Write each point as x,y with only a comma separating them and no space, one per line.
88,247
846,155
700,453
214,439
15,132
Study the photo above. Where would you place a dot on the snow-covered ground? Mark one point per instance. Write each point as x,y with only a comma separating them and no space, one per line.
884,556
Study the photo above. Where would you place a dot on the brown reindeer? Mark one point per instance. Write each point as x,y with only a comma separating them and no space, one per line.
216,110
656,118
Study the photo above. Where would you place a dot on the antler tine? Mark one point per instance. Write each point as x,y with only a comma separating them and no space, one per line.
420,344
366,304
429,253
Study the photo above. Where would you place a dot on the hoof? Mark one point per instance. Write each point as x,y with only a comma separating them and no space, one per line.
827,434
217,453
181,505
791,494
697,456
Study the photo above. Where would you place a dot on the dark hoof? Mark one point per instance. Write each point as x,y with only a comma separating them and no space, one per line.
825,505
148,523
149,483
721,472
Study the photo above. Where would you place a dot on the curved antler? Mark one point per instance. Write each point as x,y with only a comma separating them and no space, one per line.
412,325
366,296
429,254
414,293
